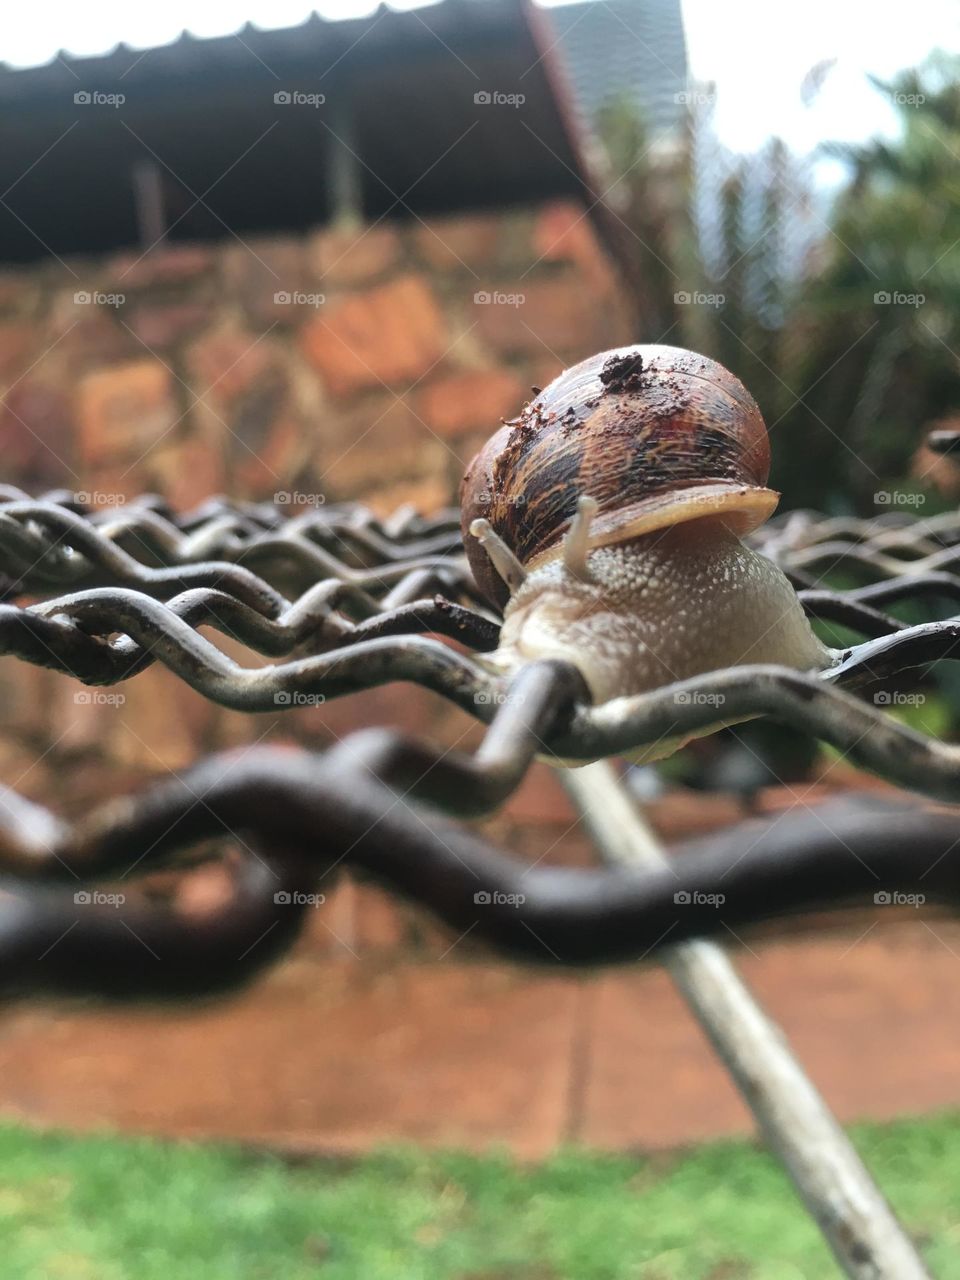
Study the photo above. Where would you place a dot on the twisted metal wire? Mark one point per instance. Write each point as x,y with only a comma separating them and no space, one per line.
888,546
141,587
54,542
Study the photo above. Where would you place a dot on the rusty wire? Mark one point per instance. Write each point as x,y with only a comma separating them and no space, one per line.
343,601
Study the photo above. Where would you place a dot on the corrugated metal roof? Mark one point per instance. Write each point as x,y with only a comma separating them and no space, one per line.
399,103
85,34
410,100
236,50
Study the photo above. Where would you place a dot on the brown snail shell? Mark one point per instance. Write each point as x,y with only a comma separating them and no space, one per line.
657,435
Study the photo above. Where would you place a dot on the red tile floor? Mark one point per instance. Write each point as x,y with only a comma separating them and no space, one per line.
332,1054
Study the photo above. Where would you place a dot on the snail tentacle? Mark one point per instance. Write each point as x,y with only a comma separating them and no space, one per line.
501,557
577,541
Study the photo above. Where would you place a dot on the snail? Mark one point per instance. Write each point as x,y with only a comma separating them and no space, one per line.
607,519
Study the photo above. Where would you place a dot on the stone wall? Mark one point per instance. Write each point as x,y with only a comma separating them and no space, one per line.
368,364
357,364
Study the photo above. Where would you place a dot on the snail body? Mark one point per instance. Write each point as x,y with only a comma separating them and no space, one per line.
606,520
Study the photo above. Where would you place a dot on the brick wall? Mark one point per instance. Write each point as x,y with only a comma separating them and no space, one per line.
358,364
354,364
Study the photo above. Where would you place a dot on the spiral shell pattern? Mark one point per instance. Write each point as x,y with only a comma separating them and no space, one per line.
655,434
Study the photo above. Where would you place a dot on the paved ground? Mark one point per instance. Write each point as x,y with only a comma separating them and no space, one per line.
333,1054
375,1030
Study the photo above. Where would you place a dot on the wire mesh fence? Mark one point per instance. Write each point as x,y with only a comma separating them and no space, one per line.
339,601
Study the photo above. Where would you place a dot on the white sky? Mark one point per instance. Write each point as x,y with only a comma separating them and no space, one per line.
757,51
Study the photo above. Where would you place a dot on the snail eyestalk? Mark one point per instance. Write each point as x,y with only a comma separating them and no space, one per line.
577,541
501,557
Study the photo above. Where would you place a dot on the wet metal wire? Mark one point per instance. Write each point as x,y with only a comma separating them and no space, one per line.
342,601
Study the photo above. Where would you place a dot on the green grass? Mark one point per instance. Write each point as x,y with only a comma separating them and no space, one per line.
107,1208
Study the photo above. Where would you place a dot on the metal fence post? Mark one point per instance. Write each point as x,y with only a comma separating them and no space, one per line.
834,1184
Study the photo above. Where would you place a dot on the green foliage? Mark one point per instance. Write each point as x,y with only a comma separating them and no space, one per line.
102,1208
848,383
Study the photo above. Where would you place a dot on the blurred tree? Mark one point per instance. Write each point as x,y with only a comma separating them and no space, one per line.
844,322
891,278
